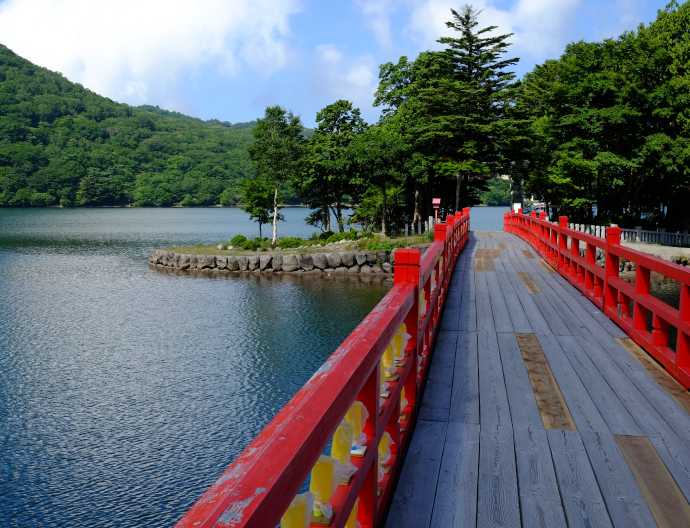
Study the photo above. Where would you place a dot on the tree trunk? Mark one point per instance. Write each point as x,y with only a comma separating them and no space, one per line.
383,213
417,203
457,191
339,216
260,230
326,215
275,216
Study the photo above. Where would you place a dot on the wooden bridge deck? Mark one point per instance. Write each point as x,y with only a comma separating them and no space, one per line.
534,414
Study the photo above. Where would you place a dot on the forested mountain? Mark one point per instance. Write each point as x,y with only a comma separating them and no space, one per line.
61,143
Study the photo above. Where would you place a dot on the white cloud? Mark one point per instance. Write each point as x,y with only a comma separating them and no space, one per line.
377,17
138,50
336,76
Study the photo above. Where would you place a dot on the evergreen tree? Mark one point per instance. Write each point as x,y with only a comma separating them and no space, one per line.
454,104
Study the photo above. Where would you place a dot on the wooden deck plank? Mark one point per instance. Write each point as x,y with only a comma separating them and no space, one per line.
582,500
502,320
485,317
502,245
412,504
464,405
657,372
606,323
623,498
493,400
673,451
436,400
518,316
582,408
546,266
524,411
540,500
662,401
502,276
528,281
483,264
456,498
667,503
488,254
468,317
528,253
550,402
529,306
614,413
497,500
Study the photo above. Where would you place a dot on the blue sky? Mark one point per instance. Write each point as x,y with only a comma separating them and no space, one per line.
229,59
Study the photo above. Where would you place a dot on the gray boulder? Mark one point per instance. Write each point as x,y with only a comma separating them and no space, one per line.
290,263
153,256
376,269
265,262
371,258
361,258
277,262
243,263
193,261
176,260
306,262
320,260
334,260
387,268
253,263
392,257
341,269
381,255
184,262
353,269
232,265
347,258
206,262
316,271
366,270
221,262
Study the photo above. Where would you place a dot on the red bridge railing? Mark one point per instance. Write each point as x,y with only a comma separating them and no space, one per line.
262,482
560,247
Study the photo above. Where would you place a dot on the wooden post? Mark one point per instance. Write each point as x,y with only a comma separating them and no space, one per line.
563,267
613,237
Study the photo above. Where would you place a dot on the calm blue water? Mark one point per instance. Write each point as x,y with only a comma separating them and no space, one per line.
125,392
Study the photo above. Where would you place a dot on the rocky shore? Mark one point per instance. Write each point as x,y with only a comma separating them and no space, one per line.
343,262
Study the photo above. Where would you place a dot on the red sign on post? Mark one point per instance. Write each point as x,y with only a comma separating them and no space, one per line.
436,202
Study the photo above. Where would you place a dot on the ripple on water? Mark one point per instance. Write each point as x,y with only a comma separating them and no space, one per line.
124,392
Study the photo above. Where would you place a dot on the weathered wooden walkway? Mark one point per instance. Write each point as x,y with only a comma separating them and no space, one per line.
538,411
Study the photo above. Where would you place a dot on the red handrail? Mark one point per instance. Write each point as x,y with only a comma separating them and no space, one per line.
560,246
260,484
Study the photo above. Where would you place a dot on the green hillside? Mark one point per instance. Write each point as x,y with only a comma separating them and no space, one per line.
60,143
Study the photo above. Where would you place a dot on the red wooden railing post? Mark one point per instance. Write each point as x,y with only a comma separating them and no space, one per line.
683,339
542,231
563,266
613,237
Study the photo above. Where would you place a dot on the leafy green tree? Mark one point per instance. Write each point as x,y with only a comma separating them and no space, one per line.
258,198
381,160
498,193
610,129
277,151
327,172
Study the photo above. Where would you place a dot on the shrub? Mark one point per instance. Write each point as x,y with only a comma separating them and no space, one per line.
238,240
251,245
388,245
337,237
289,242
326,235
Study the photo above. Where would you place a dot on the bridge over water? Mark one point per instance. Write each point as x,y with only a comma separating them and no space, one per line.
528,399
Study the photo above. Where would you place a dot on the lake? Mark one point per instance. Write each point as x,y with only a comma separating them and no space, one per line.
125,392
